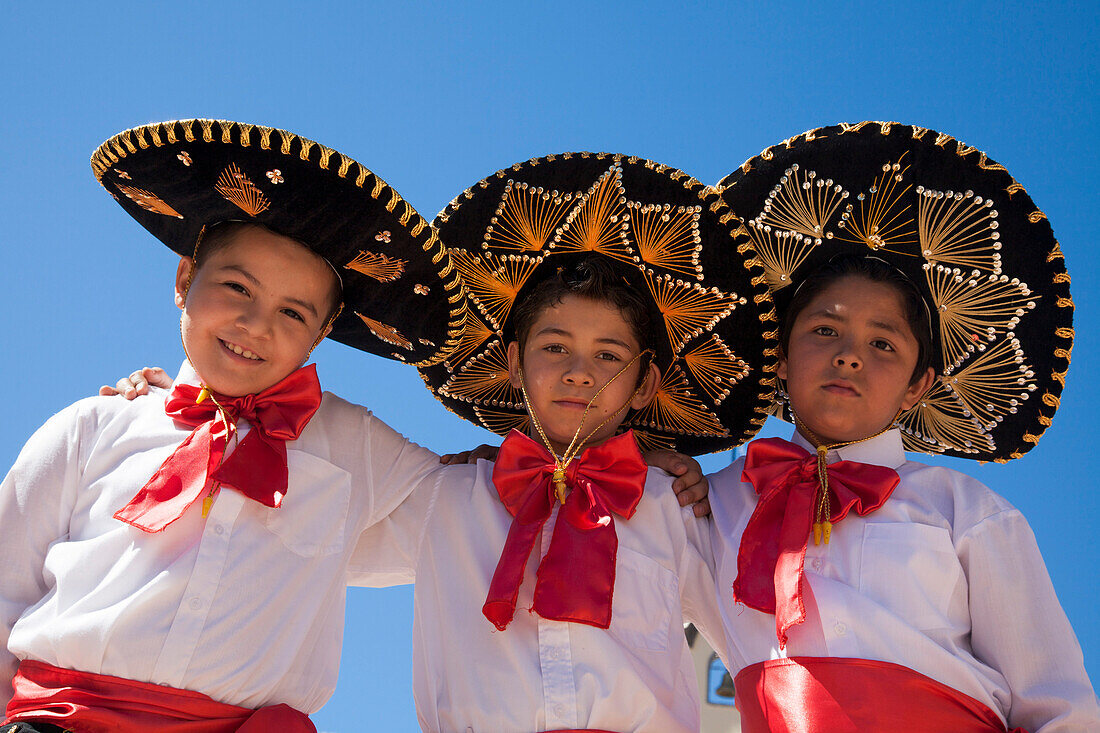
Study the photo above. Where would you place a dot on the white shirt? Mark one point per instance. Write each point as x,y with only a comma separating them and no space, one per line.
246,605
539,674
945,578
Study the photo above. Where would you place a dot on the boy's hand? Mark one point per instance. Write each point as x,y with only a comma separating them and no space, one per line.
138,383
488,452
691,485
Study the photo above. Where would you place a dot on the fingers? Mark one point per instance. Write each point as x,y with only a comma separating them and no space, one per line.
157,377
702,509
138,383
454,459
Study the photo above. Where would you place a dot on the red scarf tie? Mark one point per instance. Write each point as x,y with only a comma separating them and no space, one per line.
773,546
576,578
257,468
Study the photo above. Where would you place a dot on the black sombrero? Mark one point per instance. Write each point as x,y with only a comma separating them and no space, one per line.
402,298
670,236
964,231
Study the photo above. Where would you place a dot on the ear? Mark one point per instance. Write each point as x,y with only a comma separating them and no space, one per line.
183,274
649,388
514,364
918,388
781,370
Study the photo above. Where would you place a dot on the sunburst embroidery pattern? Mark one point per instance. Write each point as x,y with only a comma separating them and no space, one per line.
668,236
474,334
494,281
501,422
688,309
803,203
653,441
676,409
526,218
148,201
958,229
715,367
974,308
881,218
387,333
483,380
377,265
236,188
994,383
781,252
599,222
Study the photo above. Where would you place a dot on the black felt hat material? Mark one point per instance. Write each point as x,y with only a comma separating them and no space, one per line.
964,231
668,235
402,298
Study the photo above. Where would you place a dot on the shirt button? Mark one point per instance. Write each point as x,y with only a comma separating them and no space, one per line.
196,604
559,710
841,628
218,529
817,563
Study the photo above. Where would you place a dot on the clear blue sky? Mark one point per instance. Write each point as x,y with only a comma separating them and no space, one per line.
435,99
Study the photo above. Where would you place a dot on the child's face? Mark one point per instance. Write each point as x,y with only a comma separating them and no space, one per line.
850,359
572,350
254,310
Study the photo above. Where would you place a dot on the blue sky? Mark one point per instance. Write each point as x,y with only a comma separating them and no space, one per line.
435,99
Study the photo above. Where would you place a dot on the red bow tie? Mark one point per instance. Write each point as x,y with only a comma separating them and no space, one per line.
773,546
576,578
257,468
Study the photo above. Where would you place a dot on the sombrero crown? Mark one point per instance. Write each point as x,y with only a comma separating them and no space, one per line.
663,231
968,236
402,298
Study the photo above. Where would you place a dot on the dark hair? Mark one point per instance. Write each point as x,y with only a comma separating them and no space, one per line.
914,306
593,278
220,235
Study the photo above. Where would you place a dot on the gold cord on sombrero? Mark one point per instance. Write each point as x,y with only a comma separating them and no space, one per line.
822,527
575,445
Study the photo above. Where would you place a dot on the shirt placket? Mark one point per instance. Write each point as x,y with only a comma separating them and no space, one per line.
187,625
556,659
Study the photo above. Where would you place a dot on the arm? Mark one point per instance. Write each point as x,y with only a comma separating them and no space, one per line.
36,501
1020,629
698,594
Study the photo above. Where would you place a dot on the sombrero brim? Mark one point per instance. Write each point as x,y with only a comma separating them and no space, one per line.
964,231
670,236
402,298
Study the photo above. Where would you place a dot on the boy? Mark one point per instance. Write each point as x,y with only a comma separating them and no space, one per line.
210,597
552,586
870,592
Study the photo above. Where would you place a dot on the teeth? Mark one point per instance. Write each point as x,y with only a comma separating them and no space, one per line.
243,352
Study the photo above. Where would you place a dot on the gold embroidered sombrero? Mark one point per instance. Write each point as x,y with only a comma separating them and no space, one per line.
402,298
668,235
964,231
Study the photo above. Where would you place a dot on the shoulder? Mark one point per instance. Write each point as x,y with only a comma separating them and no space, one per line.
962,497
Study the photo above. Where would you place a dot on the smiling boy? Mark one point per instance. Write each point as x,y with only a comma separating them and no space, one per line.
180,564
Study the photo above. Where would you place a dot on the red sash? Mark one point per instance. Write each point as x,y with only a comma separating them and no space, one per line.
94,703
809,694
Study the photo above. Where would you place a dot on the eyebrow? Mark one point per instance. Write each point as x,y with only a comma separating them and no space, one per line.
555,331
303,304
884,325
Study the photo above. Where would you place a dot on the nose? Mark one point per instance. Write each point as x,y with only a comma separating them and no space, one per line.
254,321
846,356
577,372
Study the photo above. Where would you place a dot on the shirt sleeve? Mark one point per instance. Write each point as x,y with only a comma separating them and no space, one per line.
698,597
36,500
1020,629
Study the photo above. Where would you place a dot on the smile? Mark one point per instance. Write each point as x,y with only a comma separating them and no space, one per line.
239,351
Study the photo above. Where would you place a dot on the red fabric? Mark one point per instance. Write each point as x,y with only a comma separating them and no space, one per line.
93,703
813,694
576,578
257,468
773,546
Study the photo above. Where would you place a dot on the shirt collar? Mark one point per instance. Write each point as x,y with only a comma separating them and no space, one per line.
187,374
882,450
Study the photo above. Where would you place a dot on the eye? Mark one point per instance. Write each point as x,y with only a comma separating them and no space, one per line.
883,345
554,348
825,331
236,286
293,314
608,356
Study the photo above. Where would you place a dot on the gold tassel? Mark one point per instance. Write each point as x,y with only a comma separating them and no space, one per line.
203,394
559,483
207,502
